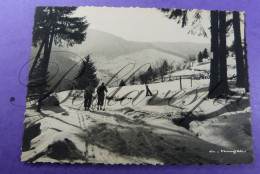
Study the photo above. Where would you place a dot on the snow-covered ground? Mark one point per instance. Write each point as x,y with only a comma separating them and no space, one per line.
141,130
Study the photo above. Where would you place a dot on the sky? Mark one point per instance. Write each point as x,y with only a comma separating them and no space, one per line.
142,24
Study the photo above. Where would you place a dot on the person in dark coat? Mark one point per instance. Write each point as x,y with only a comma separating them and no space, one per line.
148,92
88,94
101,95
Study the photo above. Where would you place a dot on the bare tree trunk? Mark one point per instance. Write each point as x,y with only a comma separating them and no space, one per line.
246,62
223,53
43,67
51,40
36,59
45,62
214,64
238,51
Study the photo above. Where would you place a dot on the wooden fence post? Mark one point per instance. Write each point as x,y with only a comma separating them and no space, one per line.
180,83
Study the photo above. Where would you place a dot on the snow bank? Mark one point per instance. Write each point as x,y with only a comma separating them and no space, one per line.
56,134
225,122
229,131
140,132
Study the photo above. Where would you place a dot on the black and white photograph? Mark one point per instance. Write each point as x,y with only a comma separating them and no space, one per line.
111,85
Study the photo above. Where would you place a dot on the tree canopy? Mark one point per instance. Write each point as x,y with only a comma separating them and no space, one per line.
52,25
66,29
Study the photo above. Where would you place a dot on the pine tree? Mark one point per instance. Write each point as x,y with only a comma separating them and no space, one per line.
86,75
200,57
151,74
132,80
122,83
53,25
205,53
177,14
143,78
192,58
181,16
148,76
163,69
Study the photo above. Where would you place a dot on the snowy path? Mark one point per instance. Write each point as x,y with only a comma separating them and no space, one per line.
126,135
136,137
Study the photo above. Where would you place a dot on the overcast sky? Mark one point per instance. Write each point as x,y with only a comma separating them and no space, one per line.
141,24
147,24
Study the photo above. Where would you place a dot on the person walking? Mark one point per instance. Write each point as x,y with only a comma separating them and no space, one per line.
101,95
88,94
148,92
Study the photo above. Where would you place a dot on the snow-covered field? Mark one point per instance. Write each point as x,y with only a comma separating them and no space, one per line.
135,129
204,68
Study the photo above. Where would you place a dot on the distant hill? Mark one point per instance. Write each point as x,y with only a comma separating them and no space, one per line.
182,49
151,56
110,53
101,44
109,46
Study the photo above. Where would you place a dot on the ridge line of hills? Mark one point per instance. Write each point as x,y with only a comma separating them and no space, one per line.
109,46
110,52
